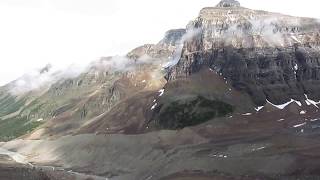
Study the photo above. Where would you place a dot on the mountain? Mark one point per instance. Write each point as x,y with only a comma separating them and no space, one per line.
267,55
234,95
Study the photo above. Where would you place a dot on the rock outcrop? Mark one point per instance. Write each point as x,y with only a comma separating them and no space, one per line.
267,55
228,3
163,50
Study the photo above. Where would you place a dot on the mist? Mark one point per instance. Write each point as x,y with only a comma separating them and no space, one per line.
42,78
62,32
190,34
267,32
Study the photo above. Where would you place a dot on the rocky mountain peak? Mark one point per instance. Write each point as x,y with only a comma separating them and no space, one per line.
173,36
278,54
228,3
45,69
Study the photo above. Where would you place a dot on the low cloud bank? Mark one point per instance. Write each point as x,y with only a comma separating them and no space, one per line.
45,77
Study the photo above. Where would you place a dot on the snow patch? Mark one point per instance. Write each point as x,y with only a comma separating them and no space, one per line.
295,38
299,125
154,106
247,114
282,106
313,120
218,155
230,18
161,91
258,149
311,102
298,102
303,112
308,103
259,108
281,120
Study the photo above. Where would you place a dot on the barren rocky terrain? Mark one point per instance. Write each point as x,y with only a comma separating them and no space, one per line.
234,96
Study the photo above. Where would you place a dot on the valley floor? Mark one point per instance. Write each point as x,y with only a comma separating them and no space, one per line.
270,144
12,170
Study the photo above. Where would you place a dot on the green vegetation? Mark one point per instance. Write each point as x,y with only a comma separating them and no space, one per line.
8,105
16,127
19,125
180,114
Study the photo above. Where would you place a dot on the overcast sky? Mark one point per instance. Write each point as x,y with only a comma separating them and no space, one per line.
36,32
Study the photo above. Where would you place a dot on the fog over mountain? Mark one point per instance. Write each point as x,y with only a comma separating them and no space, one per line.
61,32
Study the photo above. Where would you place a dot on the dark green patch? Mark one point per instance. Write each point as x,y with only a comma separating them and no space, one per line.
180,114
16,127
9,105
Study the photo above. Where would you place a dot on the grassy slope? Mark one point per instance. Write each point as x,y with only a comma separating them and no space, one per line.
64,96
15,127
9,104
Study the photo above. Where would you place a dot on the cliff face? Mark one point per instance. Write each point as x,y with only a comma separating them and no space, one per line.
267,55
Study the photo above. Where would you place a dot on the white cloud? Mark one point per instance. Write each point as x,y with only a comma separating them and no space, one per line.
40,78
190,34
